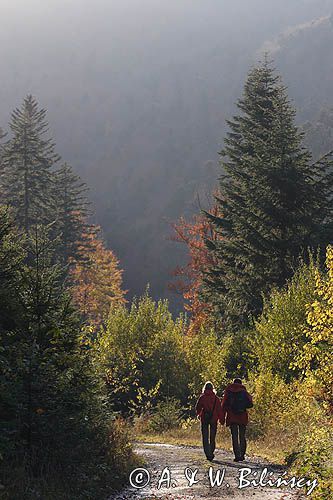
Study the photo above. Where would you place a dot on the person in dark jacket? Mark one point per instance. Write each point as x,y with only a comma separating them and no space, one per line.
208,409
234,405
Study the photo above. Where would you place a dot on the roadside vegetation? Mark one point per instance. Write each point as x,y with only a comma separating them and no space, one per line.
83,372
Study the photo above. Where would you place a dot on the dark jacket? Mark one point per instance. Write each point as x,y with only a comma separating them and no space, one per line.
206,403
228,416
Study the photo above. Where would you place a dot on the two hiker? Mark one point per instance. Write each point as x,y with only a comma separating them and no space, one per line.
232,411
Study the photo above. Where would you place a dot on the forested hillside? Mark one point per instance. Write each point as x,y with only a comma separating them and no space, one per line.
86,370
138,93
303,54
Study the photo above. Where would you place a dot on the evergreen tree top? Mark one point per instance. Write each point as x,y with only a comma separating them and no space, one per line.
28,159
273,202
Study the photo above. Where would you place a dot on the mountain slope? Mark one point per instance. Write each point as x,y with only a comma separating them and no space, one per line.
138,92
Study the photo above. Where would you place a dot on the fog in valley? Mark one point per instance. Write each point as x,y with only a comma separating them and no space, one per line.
138,91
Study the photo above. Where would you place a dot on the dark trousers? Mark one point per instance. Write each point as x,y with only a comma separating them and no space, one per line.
238,439
208,438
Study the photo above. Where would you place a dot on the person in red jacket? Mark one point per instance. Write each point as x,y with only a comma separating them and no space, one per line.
208,409
234,405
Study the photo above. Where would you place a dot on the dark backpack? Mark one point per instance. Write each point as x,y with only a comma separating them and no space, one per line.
239,402
208,414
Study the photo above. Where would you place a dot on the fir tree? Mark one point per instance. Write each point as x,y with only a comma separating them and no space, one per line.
48,399
55,418
2,133
274,203
26,171
72,212
11,257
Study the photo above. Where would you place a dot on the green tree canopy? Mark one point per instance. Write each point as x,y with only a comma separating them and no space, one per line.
274,202
72,213
26,166
142,350
280,330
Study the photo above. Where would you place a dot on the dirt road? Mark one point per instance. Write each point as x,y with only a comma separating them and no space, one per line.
182,462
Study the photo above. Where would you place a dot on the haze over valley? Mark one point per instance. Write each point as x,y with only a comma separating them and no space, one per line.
138,91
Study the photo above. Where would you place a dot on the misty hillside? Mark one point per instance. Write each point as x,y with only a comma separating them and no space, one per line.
138,92
304,56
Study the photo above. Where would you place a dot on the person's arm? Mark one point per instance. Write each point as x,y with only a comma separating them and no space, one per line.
223,408
249,397
220,413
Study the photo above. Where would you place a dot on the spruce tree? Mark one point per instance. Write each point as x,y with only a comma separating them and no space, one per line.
274,203
11,258
72,213
2,133
56,431
50,401
26,166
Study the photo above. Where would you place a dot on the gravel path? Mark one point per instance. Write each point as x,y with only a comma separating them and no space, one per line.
182,461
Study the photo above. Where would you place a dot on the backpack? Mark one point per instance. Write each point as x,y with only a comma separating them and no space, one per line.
208,414
239,402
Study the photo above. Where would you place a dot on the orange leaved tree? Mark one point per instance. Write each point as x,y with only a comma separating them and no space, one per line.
189,278
97,279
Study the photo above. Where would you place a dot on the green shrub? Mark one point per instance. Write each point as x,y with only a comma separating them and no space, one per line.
206,361
290,417
102,467
279,336
314,460
167,415
141,350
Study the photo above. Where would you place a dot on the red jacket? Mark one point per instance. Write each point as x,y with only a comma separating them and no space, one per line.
206,402
232,418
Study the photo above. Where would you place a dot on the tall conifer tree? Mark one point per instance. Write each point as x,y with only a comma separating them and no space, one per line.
11,258
72,213
274,203
49,396
26,171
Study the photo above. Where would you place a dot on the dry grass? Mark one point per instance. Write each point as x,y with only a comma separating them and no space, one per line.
272,448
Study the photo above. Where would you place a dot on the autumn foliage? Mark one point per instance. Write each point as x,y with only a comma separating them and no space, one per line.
189,278
97,279
317,359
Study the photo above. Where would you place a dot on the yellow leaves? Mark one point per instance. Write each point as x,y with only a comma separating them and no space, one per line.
318,351
97,281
